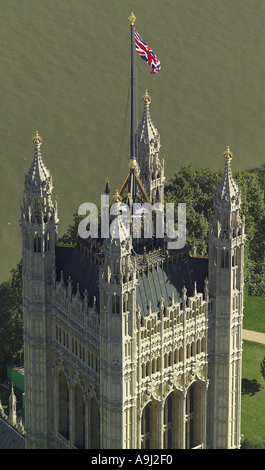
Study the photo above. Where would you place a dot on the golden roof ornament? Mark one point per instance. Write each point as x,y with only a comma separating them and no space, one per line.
117,197
146,98
228,154
133,164
37,140
132,18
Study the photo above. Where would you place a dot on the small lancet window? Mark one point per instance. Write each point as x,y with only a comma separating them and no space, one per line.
225,221
115,303
224,258
37,242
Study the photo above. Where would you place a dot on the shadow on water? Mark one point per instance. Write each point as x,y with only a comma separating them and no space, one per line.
261,168
250,387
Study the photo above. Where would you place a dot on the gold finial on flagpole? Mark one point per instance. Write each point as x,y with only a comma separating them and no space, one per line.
132,18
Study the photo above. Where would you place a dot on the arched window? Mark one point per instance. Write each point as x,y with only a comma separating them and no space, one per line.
181,354
190,418
79,418
224,258
47,241
115,303
226,221
235,257
149,428
145,428
172,421
116,266
37,242
143,371
194,415
215,255
125,302
94,425
168,422
63,405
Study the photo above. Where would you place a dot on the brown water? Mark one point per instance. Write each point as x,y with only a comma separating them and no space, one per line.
65,69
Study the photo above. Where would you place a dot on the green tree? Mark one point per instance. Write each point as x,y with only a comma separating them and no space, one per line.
253,208
11,318
196,187
262,367
69,238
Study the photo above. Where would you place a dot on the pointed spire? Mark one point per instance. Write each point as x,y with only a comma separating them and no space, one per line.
172,297
107,187
195,289
150,307
62,280
78,295
227,192
38,173
206,289
12,407
184,297
147,132
86,296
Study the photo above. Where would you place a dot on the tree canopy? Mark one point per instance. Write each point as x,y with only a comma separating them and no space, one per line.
11,317
196,188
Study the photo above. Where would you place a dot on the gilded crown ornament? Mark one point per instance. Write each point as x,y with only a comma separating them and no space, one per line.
133,165
132,18
37,140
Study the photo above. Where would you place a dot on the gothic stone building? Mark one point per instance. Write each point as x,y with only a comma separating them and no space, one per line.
128,344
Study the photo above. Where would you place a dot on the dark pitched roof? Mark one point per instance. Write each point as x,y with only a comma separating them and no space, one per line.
74,262
165,273
9,437
163,278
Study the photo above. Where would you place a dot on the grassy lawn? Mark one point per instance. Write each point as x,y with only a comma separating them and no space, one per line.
254,313
253,396
253,384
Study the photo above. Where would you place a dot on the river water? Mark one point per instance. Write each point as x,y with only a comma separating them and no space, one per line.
65,69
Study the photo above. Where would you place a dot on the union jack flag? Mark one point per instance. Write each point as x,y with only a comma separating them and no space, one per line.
146,53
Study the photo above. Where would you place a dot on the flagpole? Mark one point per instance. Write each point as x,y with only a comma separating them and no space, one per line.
132,19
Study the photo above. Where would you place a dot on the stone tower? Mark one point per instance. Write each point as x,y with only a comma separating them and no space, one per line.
117,343
226,261
151,169
129,345
39,234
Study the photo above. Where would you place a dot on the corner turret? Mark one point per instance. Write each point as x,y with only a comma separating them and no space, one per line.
151,169
226,281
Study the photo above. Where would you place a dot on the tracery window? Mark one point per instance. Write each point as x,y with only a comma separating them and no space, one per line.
115,303
63,405
145,427
79,418
226,221
37,242
224,258
190,418
168,422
